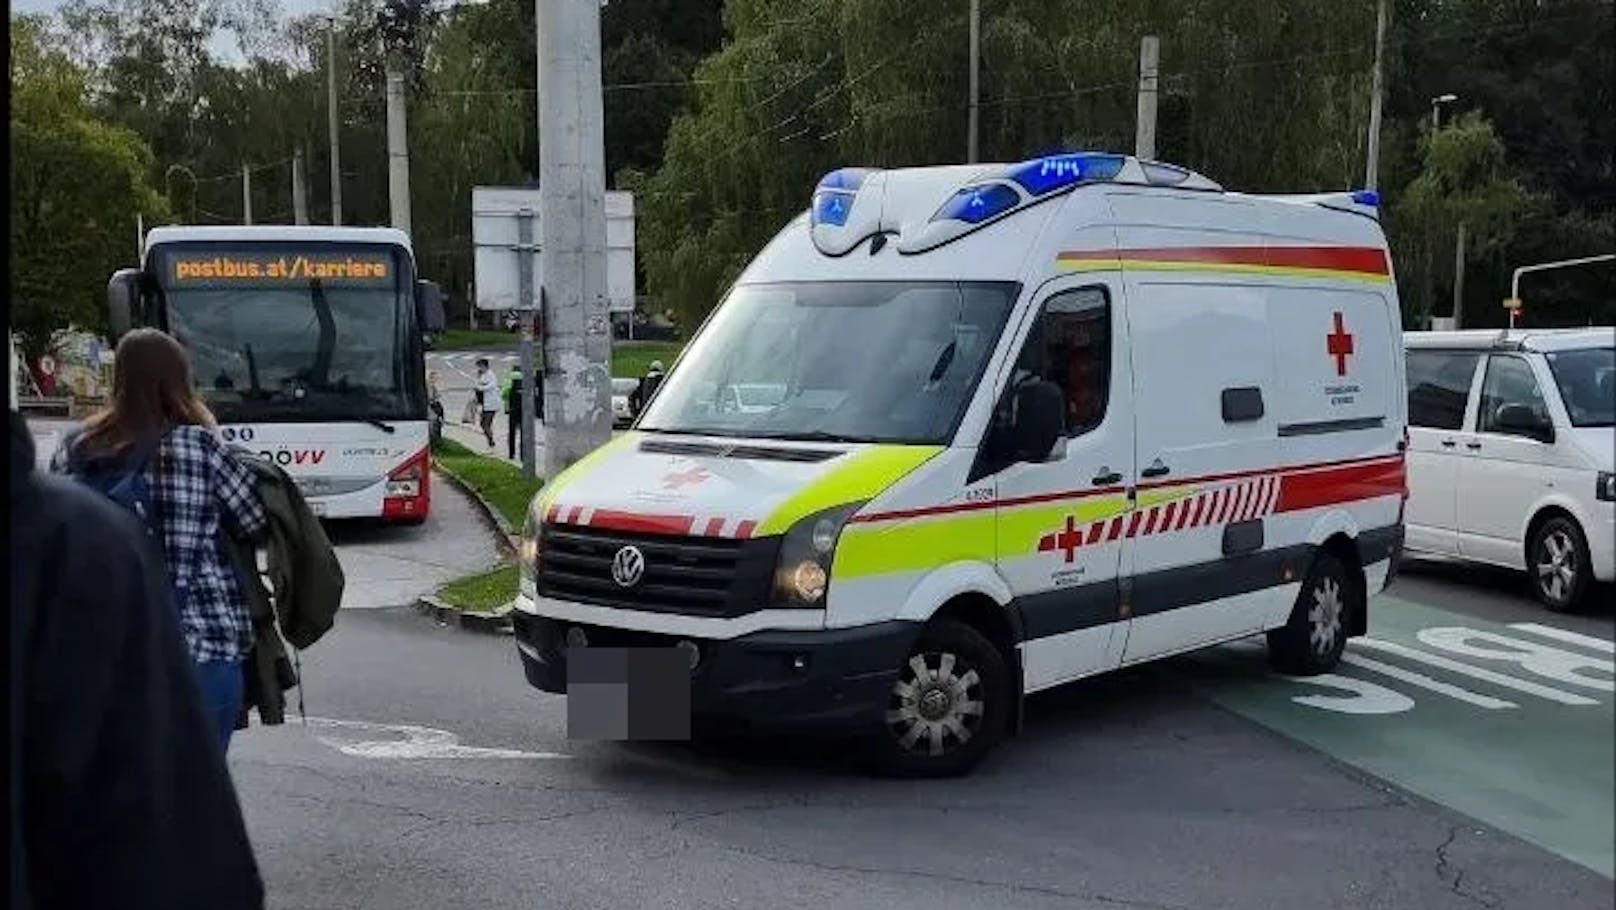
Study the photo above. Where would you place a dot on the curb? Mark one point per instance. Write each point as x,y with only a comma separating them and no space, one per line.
507,541
497,623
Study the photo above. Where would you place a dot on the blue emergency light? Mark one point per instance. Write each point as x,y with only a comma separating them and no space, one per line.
979,203
1367,197
832,207
1041,176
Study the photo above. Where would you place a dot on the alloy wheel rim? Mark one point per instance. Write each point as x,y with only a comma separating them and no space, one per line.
1557,566
937,704
1324,616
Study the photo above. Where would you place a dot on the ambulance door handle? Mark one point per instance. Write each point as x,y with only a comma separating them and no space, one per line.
1448,443
1157,469
1107,477
1473,446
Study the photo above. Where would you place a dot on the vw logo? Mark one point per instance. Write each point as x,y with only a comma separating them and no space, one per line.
628,566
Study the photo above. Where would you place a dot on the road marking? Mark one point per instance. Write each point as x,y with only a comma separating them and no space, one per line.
1426,682
419,742
1543,660
1367,697
1497,679
1604,646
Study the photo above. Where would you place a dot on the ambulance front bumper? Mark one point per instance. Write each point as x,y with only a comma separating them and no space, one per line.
822,678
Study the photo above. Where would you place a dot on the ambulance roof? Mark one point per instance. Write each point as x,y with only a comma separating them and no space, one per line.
982,222
1540,340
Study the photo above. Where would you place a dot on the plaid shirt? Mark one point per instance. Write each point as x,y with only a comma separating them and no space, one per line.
202,490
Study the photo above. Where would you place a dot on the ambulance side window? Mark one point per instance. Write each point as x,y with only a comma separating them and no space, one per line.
1070,345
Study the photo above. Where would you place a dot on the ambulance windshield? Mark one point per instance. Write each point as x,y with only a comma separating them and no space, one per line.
871,361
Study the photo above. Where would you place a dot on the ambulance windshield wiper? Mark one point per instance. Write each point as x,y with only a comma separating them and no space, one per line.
815,436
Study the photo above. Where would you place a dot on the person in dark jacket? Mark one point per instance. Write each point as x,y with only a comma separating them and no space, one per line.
513,407
119,793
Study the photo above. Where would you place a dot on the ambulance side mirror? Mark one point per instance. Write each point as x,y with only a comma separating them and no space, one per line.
1040,420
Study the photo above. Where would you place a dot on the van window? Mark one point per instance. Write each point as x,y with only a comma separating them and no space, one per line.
1509,381
1070,345
1439,388
1587,381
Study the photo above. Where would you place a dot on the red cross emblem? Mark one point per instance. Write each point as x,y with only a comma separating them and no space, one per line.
1067,540
685,478
1339,344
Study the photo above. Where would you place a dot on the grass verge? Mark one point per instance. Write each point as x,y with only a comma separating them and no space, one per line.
474,339
498,482
482,593
630,359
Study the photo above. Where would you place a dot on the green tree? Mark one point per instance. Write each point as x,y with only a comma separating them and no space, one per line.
77,185
1466,180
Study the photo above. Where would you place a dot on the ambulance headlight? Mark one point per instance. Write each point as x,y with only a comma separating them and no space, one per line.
527,545
802,576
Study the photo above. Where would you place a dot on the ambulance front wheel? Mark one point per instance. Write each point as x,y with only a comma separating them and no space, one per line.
949,707
1312,641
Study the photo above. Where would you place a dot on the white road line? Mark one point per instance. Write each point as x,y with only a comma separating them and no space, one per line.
1426,682
1592,643
1497,679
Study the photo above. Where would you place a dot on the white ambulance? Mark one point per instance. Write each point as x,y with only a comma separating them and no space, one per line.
961,434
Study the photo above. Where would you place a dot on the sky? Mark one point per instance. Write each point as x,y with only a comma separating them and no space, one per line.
223,46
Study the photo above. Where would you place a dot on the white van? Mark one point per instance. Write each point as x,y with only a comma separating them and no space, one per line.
1513,453
1034,422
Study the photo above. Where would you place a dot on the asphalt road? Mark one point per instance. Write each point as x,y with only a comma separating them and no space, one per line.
430,776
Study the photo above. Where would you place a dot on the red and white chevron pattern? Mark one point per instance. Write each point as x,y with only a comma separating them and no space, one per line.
1244,500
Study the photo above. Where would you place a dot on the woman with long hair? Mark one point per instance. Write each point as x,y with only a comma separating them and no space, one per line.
197,489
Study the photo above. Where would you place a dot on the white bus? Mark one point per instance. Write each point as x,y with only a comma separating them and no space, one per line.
308,344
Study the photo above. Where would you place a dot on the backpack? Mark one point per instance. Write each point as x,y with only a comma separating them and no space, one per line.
125,481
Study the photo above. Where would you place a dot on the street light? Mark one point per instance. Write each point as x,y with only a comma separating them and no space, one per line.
1436,109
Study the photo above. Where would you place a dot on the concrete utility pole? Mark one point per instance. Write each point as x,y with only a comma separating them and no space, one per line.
398,150
1378,91
572,215
1149,59
1458,278
300,195
246,194
332,119
976,59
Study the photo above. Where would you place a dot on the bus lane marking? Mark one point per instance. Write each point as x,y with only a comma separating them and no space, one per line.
1546,661
1426,682
1592,643
1498,679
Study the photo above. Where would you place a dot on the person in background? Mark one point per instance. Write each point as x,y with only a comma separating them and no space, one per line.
641,396
119,796
196,488
486,388
513,406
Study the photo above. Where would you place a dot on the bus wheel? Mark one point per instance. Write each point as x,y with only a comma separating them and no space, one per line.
949,707
1312,641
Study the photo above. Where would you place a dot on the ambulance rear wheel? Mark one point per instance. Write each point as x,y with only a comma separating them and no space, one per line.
949,707
1312,641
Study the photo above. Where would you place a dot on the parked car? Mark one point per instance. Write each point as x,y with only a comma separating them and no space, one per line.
1511,454
622,415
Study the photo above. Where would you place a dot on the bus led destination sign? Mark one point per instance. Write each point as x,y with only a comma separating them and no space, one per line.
261,268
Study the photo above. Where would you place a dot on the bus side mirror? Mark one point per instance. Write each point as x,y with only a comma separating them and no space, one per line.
429,307
123,301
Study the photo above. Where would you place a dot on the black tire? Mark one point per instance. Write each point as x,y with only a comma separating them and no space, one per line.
1558,564
1312,640
930,717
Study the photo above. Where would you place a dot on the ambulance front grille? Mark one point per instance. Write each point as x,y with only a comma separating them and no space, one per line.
693,576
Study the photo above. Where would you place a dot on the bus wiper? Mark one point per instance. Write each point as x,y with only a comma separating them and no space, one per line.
384,426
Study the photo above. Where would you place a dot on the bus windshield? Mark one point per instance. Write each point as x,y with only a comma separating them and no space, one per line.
864,361
295,332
